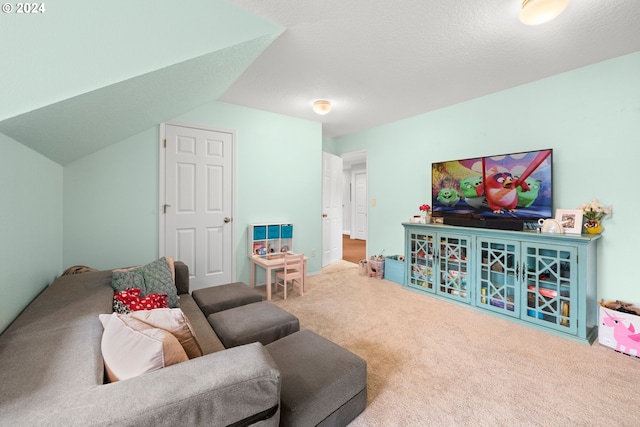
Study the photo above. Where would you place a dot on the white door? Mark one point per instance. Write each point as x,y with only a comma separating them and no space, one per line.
359,223
198,202
331,208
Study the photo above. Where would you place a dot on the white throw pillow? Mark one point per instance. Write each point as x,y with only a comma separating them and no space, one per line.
131,347
174,321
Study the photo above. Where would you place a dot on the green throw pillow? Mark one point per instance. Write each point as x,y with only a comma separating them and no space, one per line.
152,278
127,279
158,280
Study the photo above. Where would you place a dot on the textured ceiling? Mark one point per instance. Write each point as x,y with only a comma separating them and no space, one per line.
72,86
380,61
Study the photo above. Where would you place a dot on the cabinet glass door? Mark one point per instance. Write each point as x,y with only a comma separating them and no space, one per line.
550,286
453,266
498,284
421,256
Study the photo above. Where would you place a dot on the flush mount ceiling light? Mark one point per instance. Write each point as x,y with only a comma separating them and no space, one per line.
321,106
535,12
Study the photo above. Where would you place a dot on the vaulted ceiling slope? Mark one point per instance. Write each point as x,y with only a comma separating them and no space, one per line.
380,61
84,75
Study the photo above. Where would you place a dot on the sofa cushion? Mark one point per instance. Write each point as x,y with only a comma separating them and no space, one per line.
172,320
131,347
322,382
207,338
223,297
153,278
258,322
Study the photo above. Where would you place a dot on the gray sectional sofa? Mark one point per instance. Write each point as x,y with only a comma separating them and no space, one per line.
52,371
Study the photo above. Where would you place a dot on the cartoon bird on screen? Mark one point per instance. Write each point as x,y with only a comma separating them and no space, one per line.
500,186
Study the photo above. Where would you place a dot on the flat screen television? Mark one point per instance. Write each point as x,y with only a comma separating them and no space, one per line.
502,191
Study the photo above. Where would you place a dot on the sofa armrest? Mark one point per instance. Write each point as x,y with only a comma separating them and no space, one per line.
182,277
222,388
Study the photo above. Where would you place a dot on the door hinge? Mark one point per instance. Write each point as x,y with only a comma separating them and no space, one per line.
164,207
165,143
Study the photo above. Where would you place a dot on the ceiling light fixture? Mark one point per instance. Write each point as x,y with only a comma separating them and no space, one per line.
321,106
535,12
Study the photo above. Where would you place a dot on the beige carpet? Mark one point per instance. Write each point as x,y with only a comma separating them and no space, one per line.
433,363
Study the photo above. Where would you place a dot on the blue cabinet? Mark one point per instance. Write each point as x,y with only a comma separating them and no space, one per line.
546,281
439,263
498,276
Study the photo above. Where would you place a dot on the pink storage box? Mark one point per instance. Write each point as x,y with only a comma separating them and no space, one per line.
620,331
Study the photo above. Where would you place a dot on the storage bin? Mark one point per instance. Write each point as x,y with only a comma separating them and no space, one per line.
394,268
376,267
259,232
619,331
287,231
273,232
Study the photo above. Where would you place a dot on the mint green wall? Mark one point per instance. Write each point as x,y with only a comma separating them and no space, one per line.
30,226
110,205
329,145
85,46
591,119
111,197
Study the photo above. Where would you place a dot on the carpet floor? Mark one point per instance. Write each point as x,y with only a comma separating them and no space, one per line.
434,363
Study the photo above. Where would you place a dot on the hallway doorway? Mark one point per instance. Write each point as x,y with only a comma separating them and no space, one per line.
354,206
353,250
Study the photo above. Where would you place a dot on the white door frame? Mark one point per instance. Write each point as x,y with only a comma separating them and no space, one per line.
162,186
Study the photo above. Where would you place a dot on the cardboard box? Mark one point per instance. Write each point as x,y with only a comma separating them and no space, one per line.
620,331
394,269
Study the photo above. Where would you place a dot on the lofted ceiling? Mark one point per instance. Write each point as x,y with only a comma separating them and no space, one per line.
86,75
380,61
76,127
83,75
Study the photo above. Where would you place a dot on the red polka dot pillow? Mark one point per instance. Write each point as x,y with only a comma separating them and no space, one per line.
130,300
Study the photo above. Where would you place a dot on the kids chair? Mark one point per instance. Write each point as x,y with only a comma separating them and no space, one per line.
293,271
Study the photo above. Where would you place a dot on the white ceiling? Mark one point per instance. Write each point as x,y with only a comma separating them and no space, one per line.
380,61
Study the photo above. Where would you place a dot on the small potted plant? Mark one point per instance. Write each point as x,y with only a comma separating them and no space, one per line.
594,213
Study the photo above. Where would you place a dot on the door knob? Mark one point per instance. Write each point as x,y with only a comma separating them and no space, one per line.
227,219
324,215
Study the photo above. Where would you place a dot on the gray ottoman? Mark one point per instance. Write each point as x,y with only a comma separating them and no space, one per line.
322,383
223,297
258,322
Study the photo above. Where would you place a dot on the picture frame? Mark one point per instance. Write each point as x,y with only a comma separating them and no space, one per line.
570,220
